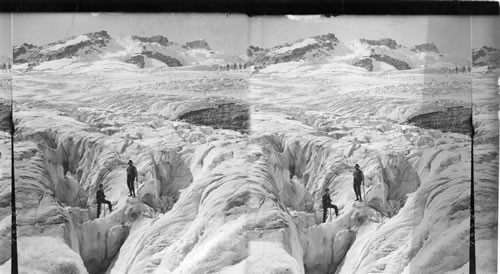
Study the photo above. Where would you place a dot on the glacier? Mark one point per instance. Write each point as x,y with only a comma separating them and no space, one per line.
246,197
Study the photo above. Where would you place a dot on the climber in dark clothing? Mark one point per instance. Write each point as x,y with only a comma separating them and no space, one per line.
100,197
357,180
327,203
131,177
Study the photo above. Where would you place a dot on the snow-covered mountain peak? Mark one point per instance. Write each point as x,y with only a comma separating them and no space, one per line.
323,46
327,41
99,39
82,45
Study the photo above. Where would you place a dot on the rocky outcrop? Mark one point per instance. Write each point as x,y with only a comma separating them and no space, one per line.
137,60
365,63
327,41
99,38
5,117
280,54
197,44
23,53
294,55
252,50
398,64
229,115
169,61
390,43
22,49
481,52
455,119
426,47
160,39
486,56
90,43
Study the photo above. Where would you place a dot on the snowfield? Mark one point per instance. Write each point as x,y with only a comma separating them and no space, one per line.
218,200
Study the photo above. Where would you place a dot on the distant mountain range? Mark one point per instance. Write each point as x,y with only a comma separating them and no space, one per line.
158,50
141,51
369,54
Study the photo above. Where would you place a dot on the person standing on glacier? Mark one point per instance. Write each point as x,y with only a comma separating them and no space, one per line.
100,198
358,178
131,177
327,203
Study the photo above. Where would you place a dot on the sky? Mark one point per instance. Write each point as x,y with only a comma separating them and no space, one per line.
234,33
271,30
483,31
5,34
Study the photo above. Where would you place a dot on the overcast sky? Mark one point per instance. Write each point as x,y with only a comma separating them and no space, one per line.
233,33
5,37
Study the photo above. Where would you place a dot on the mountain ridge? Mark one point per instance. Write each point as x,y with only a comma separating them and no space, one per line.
143,51
158,50
365,53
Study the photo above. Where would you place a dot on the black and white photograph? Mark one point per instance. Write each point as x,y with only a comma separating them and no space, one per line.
191,143
6,185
